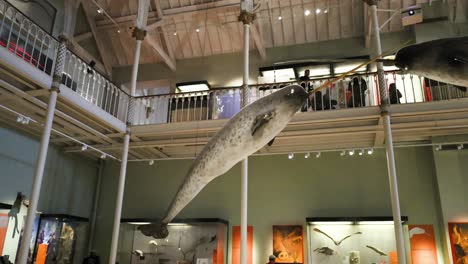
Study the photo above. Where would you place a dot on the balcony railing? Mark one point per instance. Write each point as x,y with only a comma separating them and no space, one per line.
93,87
352,92
25,39
30,43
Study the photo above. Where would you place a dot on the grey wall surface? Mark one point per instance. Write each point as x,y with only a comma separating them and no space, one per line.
69,180
281,191
452,179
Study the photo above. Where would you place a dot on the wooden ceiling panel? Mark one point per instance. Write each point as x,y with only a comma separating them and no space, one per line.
220,32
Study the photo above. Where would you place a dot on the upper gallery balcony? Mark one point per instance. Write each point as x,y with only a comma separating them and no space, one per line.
93,112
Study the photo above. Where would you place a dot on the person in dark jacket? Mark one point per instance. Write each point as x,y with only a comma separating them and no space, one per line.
394,94
358,88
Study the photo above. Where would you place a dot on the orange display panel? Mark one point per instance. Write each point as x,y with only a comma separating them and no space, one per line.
3,230
41,254
423,245
236,244
288,244
459,242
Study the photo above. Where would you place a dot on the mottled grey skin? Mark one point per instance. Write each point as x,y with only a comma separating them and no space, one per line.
247,132
444,60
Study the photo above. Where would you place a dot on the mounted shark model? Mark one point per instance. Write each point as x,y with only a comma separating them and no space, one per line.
444,60
252,128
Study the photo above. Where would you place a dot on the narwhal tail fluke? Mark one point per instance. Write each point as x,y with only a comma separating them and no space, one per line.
156,230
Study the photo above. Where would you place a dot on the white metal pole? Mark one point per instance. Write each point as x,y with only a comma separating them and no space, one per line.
245,162
388,142
97,194
136,61
38,175
119,199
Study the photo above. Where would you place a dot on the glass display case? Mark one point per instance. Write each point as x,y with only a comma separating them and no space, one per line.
61,239
352,240
190,241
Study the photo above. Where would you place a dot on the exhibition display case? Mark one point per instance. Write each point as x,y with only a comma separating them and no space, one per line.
61,239
190,241
352,240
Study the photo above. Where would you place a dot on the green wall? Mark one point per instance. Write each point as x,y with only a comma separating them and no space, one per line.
69,180
281,191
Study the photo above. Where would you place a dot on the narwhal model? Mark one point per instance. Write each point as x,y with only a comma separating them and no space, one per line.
248,131
444,60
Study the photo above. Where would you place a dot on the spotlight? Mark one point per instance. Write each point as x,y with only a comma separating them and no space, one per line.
351,152
325,11
180,249
361,152
439,147
411,12
118,31
291,155
153,242
103,156
25,120
318,155
343,153
280,18
460,147
167,239
151,162
318,11
197,30
307,155
307,12
100,11
19,119
370,151
175,34
84,147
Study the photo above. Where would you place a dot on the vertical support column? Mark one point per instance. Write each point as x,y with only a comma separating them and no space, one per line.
119,200
385,113
40,164
247,18
97,194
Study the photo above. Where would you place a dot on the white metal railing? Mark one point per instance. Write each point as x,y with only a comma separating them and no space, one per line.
354,91
29,42
25,39
93,87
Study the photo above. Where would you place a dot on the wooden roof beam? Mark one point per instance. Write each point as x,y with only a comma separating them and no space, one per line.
99,41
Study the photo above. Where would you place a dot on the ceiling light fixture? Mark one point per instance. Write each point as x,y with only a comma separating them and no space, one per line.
280,18
84,147
370,151
460,147
439,147
291,155
151,162
318,11
343,152
307,155
197,30
175,33
318,154
103,156
118,31
307,12
361,152
100,11
325,11
351,152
